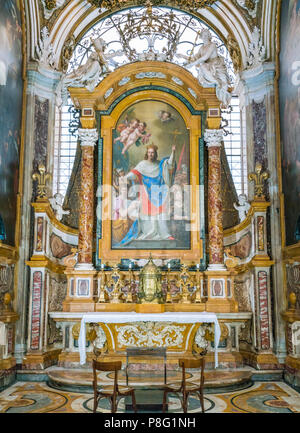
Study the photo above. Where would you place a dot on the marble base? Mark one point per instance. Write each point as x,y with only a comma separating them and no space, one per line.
261,361
40,361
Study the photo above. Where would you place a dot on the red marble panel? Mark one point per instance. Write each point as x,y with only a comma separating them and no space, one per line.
264,310
36,310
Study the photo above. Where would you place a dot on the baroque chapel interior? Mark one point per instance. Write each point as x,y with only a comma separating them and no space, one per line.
150,202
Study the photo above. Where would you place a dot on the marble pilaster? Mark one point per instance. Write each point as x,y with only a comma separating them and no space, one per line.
88,138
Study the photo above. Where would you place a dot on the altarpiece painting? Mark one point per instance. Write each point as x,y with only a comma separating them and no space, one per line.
151,154
151,181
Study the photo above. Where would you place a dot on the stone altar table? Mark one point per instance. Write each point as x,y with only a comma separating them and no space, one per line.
130,317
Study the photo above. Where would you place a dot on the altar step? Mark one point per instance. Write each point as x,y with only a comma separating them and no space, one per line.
217,381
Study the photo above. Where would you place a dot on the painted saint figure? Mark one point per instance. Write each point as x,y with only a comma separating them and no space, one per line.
154,178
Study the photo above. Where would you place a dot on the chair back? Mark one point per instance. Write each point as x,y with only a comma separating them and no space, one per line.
192,363
106,366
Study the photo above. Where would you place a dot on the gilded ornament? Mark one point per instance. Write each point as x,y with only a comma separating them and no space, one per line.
71,260
7,302
235,53
50,4
185,282
90,332
210,333
150,289
151,334
231,261
258,177
293,300
117,283
42,178
67,52
191,5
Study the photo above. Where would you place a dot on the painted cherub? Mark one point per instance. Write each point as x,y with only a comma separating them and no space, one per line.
124,134
138,133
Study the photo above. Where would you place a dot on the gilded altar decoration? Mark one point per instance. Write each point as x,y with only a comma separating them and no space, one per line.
42,178
91,333
292,301
150,287
185,283
259,177
117,283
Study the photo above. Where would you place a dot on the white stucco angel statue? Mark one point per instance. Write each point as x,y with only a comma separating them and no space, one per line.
211,67
89,74
56,203
242,207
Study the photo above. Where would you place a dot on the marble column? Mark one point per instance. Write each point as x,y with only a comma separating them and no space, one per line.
213,139
88,138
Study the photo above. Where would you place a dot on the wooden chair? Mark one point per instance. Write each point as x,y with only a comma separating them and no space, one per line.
185,388
110,391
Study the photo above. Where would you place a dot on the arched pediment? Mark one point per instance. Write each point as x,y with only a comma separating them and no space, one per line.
141,75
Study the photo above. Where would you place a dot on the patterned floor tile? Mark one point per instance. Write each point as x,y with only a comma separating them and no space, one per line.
262,397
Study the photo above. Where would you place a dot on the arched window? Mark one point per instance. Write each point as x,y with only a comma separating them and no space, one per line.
160,33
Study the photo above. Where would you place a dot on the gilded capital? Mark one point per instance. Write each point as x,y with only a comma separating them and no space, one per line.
213,137
87,137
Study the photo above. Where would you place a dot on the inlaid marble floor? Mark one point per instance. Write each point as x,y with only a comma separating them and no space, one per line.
261,397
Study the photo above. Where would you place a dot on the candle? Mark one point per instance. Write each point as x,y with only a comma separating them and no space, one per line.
169,265
102,266
198,266
130,265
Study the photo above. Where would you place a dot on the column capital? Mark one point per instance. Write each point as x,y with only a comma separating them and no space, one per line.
87,137
213,137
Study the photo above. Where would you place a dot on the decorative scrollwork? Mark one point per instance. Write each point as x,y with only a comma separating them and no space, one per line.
150,334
